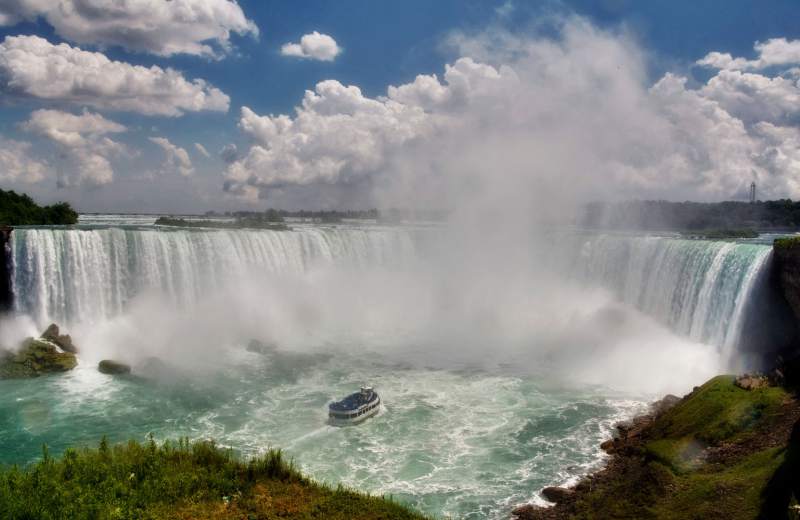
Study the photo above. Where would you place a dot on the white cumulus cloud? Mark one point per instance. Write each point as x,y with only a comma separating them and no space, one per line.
33,67
164,28
18,164
771,53
83,140
314,46
176,159
518,119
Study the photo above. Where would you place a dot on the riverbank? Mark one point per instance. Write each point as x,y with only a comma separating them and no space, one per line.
722,451
179,480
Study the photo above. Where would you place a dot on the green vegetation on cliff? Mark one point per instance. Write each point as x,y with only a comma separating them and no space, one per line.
720,452
178,481
20,210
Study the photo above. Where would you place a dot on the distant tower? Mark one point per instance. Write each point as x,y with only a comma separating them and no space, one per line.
752,192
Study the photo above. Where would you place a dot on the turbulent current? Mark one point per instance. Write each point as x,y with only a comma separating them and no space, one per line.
455,437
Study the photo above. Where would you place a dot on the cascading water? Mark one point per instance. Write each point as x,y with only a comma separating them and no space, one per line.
88,275
458,440
698,288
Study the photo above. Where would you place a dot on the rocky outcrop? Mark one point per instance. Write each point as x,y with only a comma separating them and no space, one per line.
35,357
6,299
64,341
558,494
787,264
108,366
39,356
751,381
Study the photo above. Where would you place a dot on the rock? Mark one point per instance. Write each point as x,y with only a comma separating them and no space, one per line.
664,404
524,511
751,382
64,341
609,446
34,358
558,494
108,366
632,429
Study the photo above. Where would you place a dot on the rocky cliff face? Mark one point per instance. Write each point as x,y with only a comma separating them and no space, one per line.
5,269
787,278
787,264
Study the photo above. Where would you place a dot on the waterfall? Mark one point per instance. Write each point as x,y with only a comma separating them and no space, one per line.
87,275
699,288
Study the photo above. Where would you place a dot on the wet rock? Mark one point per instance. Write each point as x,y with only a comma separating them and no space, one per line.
558,494
34,358
631,430
524,511
751,382
64,341
108,366
664,404
608,446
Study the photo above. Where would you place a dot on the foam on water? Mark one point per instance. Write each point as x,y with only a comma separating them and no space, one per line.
466,443
454,438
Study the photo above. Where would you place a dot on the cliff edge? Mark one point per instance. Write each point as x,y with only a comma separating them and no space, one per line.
729,449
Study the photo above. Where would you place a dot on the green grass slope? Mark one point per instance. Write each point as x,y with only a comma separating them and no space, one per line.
178,481
722,452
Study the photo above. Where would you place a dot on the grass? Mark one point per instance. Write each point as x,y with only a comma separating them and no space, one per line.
786,242
719,411
177,480
669,480
734,492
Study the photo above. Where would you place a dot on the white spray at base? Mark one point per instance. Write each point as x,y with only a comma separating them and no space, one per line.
149,292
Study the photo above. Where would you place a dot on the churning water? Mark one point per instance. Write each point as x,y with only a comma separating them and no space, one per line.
455,437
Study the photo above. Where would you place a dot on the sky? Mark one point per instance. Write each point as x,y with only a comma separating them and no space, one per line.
192,105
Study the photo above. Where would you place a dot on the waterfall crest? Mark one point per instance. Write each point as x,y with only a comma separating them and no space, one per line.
87,275
699,288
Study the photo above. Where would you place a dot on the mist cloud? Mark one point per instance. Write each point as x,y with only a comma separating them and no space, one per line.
560,119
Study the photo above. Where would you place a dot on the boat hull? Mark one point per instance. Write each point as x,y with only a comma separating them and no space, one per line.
370,411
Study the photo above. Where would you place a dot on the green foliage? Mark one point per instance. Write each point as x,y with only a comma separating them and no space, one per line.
786,242
666,478
20,210
733,492
718,411
174,480
660,215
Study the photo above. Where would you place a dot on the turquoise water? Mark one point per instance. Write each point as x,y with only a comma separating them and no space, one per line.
496,377
467,443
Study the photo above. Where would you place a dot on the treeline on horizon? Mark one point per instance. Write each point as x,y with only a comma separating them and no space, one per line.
18,209
661,215
392,214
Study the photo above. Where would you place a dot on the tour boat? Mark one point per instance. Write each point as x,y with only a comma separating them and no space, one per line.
355,407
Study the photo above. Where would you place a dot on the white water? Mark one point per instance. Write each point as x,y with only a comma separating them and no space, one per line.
89,275
698,288
559,363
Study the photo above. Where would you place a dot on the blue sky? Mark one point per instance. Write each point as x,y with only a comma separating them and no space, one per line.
380,44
